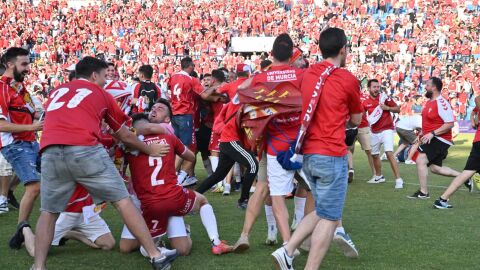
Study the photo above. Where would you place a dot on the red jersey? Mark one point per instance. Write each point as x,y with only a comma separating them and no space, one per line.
364,123
230,131
435,113
16,107
154,178
74,114
385,122
283,129
80,198
340,97
231,88
183,88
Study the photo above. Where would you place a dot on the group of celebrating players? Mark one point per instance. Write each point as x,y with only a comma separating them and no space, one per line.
135,147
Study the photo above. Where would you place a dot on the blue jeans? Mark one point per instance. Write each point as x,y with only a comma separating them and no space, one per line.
183,126
25,161
328,180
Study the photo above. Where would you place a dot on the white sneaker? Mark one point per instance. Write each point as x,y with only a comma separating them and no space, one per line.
165,251
272,236
377,180
294,224
226,189
383,157
282,260
181,176
188,181
4,207
399,183
410,162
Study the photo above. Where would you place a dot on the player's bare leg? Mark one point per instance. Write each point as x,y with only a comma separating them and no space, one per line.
32,190
45,230
105,242
370,160
129,245
136,225
457,183
183,245
445,171
281,216
422,172
413,150
400,148
29,241
254,209
377,165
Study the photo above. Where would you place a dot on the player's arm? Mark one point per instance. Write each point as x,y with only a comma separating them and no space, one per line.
391,106
150,128
355,120
136,91
443,129
6,126
131,141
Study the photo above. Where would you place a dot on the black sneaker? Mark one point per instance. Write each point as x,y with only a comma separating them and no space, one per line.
164,262
469,185
12,200
441,204
419,195
17,239
243,205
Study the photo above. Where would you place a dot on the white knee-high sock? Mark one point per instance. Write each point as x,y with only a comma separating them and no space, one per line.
237,172
299,208
271,222
213,162
210,223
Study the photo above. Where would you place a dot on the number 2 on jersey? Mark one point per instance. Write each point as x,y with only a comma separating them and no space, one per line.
81,94
156,170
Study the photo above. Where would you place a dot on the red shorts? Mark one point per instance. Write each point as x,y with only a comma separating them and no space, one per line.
156,214
214,142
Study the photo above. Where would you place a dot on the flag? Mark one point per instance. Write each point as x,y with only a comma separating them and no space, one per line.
261,103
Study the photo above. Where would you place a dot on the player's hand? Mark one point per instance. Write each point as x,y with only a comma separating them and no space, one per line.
159,150
384,107
427,138
37,126
223,99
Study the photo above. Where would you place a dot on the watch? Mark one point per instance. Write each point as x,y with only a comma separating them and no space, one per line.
433,133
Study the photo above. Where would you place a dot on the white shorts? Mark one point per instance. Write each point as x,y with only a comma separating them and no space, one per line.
176,226
74,221
386,138
5,167
280,181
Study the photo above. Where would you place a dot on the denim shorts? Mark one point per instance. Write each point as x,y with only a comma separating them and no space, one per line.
183,126
25,161
64,166
328,180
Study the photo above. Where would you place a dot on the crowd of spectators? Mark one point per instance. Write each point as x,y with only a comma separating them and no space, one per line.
400,42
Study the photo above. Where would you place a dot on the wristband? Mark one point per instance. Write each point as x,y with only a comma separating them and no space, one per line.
433,133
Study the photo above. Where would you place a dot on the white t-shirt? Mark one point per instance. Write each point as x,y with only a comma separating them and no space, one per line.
410,122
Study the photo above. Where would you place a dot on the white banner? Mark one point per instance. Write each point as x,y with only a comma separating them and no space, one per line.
252,44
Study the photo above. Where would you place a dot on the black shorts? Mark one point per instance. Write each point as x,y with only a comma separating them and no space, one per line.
203,138
473,162
436,151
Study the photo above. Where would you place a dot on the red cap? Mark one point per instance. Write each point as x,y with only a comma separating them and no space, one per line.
243,68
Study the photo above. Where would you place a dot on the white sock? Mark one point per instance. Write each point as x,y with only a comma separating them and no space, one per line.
210,223
213,162
208,166
340,230
3,199
237,172
299,208
271,222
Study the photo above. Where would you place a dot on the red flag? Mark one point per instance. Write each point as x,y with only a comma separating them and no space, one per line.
261,103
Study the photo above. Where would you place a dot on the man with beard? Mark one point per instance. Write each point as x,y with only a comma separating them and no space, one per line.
17,141
379,108
437,124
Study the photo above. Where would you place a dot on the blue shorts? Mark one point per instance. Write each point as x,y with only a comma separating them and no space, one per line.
183,126
328,180
25,161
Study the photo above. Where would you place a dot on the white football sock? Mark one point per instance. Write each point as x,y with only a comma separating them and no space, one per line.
271,222
210,223
213,162
3,199
340,230
299,208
